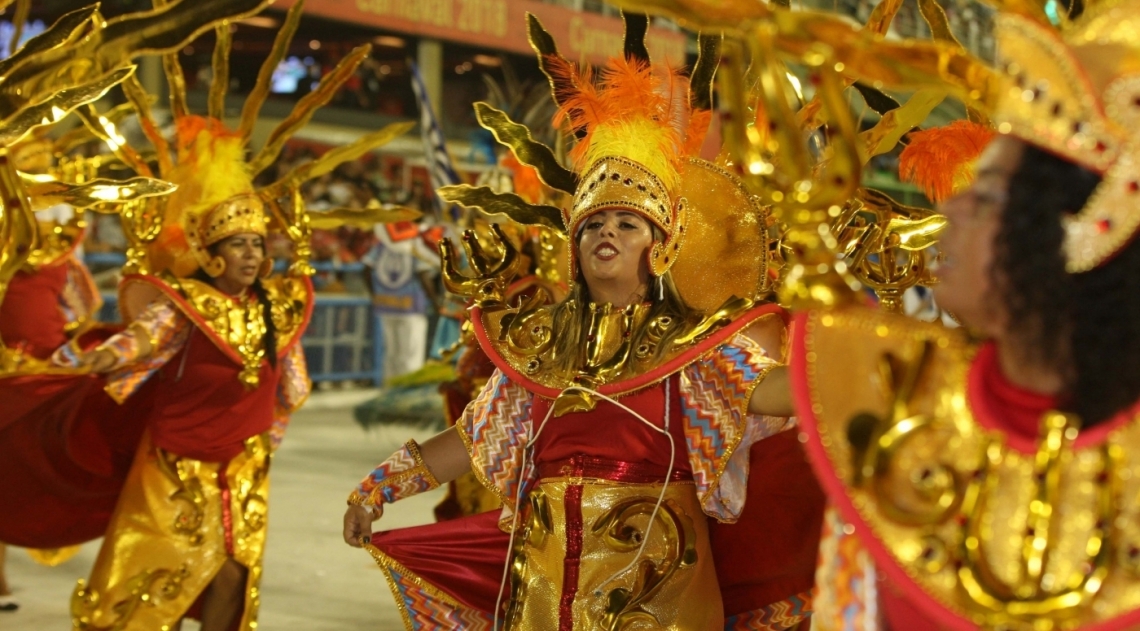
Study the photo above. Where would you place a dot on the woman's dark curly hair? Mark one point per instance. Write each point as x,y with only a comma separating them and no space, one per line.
1087,325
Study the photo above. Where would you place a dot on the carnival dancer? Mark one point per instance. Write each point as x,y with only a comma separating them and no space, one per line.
619,421
989,481
54,295
167,455
50,299
220,351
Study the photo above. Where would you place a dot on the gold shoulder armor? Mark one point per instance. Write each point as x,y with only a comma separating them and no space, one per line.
995,533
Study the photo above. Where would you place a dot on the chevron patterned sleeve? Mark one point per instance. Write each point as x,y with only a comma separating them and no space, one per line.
167,330
496,426
719,429
402,475
846,596
294,385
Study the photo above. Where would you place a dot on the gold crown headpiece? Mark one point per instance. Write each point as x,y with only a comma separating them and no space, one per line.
215,198
629,151
1077,94
241,214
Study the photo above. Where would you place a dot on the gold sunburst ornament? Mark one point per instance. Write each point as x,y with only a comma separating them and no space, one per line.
215,169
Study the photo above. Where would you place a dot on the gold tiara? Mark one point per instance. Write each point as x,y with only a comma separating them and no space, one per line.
240,214
1077,94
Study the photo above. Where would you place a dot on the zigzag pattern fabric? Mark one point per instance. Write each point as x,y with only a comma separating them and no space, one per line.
714,397
779,616
402,475
295,385
496,426
425,608
167,330
846,597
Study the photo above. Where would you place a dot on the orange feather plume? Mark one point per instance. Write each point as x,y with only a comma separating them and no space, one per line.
699,123
626,93
525,179
940,160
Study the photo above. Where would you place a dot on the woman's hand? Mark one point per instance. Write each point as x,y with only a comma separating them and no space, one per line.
358,524
99,360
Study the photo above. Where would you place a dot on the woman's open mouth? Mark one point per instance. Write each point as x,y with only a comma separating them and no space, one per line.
606,252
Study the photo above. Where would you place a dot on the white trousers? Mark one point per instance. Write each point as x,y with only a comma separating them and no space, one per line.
405,342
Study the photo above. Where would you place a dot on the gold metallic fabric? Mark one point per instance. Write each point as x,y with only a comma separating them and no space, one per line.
726,252
672,587
1042,539
167,540
242,326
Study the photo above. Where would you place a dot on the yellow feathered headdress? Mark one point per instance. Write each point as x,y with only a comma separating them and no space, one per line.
215,198
629,154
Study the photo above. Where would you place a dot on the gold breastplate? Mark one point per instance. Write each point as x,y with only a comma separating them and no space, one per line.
617,344
239,325
1048,539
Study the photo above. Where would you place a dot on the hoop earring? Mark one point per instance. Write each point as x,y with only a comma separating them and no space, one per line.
266,267
215,267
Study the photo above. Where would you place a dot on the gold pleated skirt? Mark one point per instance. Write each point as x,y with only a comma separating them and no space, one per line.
176,523
576,536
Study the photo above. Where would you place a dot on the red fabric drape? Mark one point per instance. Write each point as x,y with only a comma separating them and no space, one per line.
65,449
30,317
66,446
205,412
463,557
770,553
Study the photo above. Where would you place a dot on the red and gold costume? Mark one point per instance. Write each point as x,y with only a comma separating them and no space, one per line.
960,501
202,411
52,296
197,492
619,477
167,457
52,299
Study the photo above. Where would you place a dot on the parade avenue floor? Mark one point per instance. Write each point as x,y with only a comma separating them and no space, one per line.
312,581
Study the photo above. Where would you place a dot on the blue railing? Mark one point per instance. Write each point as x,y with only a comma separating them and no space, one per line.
340,344
340,341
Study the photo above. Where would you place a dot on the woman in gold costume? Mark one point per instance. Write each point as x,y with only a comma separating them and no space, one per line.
167,453
215,358
987,477
618,425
